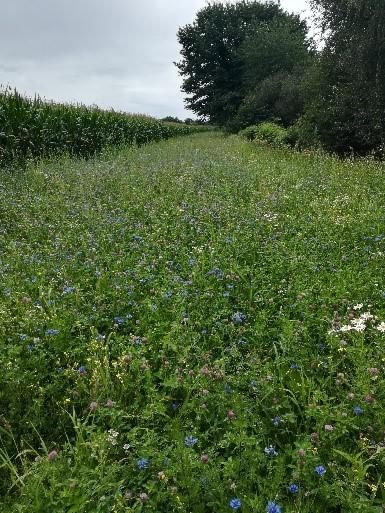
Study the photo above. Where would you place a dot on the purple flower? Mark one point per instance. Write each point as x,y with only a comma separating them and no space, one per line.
52,455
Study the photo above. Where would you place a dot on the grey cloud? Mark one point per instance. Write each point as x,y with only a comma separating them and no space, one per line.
114,53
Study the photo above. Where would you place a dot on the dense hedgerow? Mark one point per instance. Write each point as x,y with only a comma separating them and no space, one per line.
36,128
196,326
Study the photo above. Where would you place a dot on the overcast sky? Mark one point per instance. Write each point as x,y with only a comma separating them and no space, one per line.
113,53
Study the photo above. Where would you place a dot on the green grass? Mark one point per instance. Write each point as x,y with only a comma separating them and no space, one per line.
196,286
33,128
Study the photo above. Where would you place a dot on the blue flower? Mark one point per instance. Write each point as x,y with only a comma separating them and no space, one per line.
277,421
68,290
119,321
320,470
270,451
217,272
238,317
142,464
294,366
357,410
190,441
52,331
235,503
228,389
293,488
23,336
82,370
272,507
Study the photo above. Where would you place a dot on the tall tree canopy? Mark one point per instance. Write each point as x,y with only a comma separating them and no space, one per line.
347,106
230,49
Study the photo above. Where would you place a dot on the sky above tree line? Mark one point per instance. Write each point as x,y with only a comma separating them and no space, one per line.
116,54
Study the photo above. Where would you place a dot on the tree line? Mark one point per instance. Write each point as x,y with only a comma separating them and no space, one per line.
247,62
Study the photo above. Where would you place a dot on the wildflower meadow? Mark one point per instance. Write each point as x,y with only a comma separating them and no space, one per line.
195,325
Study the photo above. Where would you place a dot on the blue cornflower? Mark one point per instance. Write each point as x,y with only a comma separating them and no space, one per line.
235,503
272,507
293,488
277,420
82,370
190,441
227,389
238,317
23,336
52,331
31,347
294,366
357,410
217,272
68,290
270,451
142,464
119,321
320,470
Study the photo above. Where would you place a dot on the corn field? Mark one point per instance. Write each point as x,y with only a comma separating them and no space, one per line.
32,127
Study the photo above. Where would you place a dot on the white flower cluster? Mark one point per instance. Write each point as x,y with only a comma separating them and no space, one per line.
112,437
359,324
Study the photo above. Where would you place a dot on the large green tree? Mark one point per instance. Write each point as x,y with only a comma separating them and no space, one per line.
347,101
224,54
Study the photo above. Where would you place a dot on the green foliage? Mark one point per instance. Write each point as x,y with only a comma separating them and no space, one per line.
31,128
206,287
347,104
270,133
249,132
230,50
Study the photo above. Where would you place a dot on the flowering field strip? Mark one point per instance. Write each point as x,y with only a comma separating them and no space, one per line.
31,128
193,326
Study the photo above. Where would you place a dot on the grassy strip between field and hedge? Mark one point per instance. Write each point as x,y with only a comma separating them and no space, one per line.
32,127
193,326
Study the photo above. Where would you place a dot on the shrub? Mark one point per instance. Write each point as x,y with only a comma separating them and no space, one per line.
249,133
271,133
